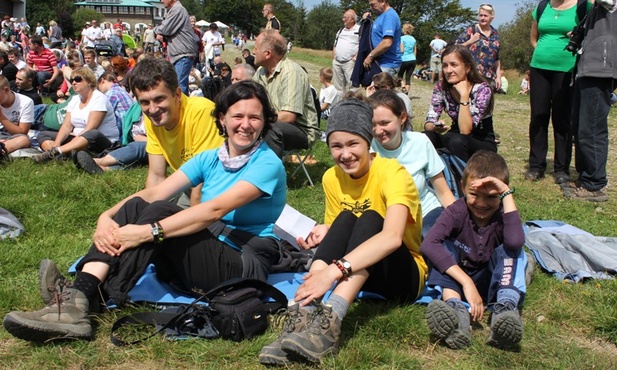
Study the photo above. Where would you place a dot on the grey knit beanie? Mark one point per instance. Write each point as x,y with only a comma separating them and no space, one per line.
353,116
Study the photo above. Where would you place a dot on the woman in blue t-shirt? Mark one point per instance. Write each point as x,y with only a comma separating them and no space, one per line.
409,50
414,151
228,235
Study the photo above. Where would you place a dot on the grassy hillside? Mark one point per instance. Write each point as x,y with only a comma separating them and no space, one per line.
567,326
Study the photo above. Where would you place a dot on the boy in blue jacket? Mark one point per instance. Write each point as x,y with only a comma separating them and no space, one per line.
476,250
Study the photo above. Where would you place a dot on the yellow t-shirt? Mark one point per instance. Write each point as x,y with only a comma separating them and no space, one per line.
195,133
386,183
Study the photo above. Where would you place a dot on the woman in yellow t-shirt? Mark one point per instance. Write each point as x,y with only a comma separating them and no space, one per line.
370,240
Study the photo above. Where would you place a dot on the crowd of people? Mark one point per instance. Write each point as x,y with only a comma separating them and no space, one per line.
391,225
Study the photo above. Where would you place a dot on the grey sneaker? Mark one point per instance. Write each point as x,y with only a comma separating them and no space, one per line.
50,280
449,321
580,193
65,318
506,326
318,339
46,155
87,163
295,319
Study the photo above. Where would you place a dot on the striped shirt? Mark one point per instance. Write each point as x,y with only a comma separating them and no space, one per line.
44,62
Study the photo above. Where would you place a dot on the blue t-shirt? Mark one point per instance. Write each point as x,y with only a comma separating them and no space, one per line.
419,157
264,170
409,44
388,24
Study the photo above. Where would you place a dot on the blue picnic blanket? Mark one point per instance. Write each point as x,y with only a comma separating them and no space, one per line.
152,290
569,253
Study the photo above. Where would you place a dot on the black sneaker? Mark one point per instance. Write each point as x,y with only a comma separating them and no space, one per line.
87,163
46,156
318,339
506,326
561,178
533,175
4,153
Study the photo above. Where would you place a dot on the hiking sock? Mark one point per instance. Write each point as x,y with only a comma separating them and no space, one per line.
339,305
508,294
89,285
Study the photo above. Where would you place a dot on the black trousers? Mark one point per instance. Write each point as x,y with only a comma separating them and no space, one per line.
550,97
198,260
462,146
395,277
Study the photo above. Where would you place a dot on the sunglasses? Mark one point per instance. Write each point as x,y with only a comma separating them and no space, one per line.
77,79
486,6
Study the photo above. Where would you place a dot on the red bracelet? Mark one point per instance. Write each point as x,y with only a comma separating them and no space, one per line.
340,266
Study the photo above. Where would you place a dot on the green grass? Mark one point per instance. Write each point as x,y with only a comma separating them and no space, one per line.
567,326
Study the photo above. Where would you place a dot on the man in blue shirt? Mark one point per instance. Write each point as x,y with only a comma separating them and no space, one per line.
385,38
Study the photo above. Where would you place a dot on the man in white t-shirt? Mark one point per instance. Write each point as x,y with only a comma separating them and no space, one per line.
14,58
16,117
345,51
212,44
437,46
93,34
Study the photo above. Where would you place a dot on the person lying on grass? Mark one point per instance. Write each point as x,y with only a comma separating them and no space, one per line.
244,186
476,248
370,240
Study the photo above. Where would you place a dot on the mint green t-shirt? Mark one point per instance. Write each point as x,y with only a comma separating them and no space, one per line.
553,28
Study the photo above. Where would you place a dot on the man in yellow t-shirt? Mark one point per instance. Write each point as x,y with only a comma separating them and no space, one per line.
177,127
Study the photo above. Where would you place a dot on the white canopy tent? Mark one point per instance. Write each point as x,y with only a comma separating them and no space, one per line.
202,23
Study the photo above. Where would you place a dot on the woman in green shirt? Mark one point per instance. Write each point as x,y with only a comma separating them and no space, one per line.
550,92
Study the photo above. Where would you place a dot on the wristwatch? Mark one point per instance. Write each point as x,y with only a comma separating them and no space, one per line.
346,265
157,232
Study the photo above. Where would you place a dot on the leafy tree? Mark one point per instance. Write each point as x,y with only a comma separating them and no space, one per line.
80,17
516,49
195,7
322,23
46,10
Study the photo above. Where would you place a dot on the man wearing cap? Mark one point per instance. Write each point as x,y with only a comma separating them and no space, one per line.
289,90
182,47
93,34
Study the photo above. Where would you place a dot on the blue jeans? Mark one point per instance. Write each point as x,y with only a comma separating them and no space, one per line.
183,68
504,271
592,103
132,154
392,71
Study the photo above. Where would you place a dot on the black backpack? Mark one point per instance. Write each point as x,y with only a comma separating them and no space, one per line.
212,86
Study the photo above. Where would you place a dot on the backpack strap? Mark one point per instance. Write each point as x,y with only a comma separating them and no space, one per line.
541,6
267,290
581,9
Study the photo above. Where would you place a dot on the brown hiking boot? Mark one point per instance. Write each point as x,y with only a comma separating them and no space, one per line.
50,280
296,319
65,318
46,156
318,339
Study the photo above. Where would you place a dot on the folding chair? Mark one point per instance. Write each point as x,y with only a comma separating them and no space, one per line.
301,159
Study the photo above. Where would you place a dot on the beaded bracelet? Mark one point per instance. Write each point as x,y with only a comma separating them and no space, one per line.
157,232
340,266
506,193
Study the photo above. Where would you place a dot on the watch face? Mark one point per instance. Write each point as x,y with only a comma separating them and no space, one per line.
346,265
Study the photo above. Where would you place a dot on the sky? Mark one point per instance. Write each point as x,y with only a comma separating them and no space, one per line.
504,9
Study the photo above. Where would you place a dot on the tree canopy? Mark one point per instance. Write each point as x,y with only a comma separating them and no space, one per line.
516,49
